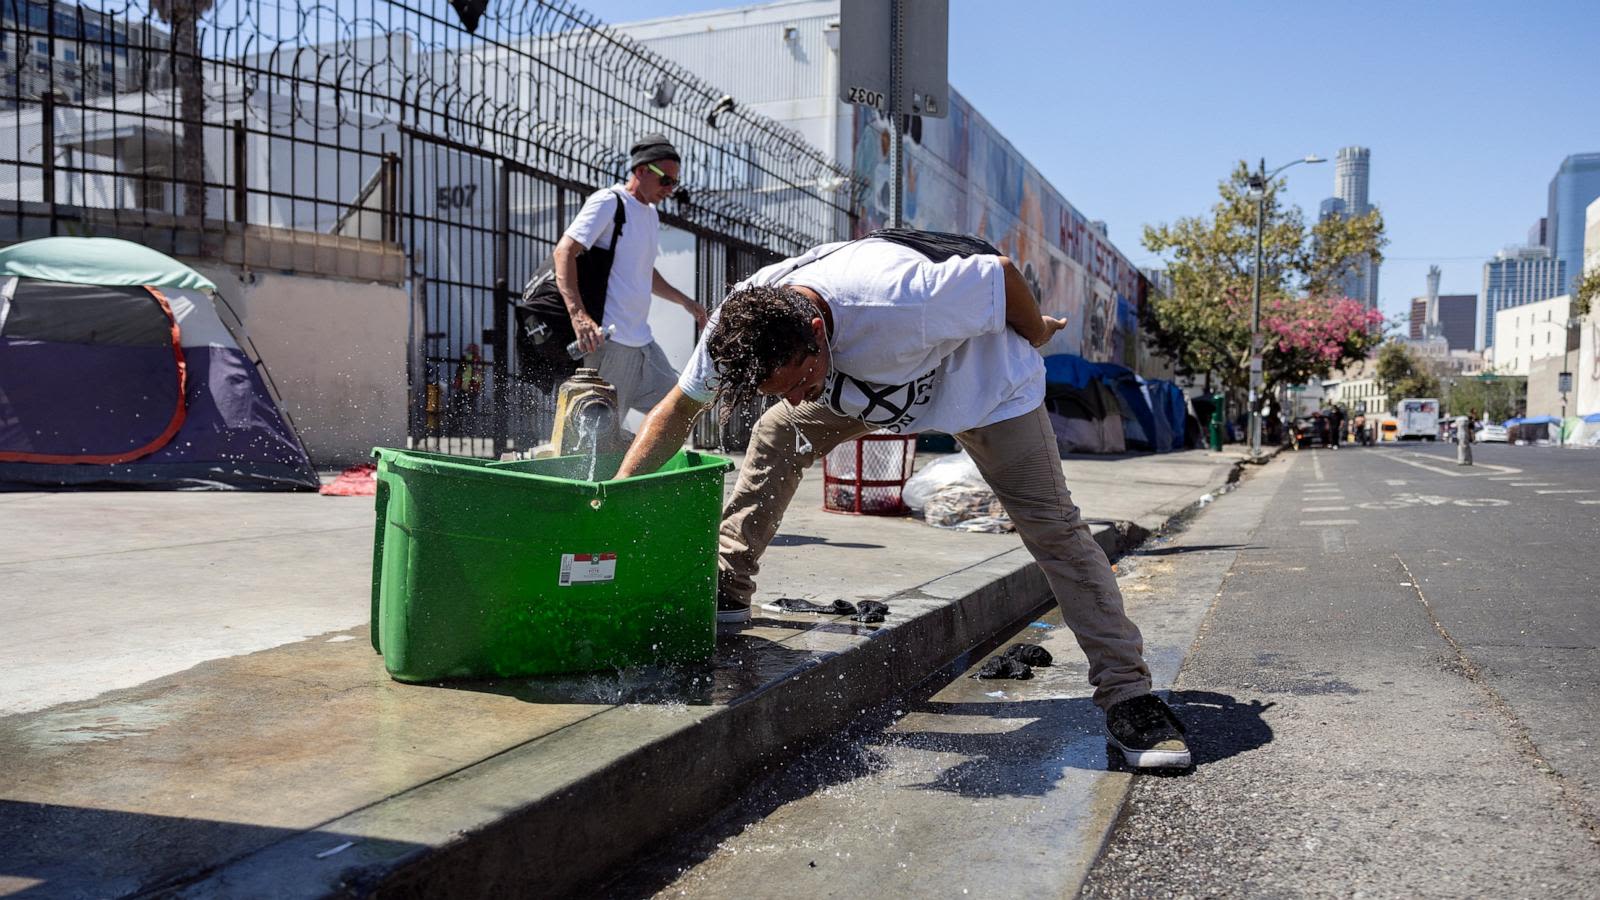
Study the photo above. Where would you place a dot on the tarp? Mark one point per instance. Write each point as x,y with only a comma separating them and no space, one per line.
103,261
1171,411
1153,413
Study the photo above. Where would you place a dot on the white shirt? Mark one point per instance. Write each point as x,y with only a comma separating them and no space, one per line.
628,290
917,345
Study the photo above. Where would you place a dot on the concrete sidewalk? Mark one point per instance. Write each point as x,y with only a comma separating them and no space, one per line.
192,705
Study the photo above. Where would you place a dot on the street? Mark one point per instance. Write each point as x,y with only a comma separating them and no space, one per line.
1391,695
1425,636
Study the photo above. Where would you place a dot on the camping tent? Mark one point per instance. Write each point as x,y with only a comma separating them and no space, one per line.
117,371
1533,429
1587,431
1105,408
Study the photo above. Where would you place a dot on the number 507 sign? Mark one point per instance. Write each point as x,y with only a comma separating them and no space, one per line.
867,49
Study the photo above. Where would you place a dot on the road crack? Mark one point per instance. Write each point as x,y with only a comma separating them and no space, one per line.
1521,734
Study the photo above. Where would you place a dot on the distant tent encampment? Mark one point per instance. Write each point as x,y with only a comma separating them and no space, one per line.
117,371
1105,408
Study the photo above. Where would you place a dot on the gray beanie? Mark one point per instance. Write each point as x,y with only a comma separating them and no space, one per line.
649,148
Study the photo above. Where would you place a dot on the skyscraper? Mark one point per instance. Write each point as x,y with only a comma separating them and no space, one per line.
1350,178
1516,276
1350,175
1575,186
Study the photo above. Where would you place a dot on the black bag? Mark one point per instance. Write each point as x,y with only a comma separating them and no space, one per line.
546,363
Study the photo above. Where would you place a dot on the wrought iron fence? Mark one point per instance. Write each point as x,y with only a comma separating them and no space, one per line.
180,122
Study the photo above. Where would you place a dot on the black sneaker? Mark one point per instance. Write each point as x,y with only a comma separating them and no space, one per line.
732,610
1148,733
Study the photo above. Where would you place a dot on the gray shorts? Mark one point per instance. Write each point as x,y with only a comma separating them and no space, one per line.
641,375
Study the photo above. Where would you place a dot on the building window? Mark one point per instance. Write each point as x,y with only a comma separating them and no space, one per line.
70,55
42,46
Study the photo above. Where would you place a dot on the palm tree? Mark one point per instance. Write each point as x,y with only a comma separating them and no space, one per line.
184,17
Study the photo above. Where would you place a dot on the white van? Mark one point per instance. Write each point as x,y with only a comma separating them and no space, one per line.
1418,419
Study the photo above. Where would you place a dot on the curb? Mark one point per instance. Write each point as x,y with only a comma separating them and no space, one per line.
512,821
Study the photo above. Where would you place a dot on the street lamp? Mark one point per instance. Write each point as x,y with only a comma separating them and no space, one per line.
1260,185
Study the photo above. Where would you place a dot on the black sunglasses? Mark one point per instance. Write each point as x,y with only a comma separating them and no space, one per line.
665,179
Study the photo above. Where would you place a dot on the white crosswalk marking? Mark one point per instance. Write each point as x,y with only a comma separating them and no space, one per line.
1533,484
1328,522
1325,509
1567,491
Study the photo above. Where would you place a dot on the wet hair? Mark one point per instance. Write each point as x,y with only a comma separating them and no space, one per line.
759,328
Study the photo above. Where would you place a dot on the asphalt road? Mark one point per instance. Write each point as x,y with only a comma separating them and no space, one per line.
1421,639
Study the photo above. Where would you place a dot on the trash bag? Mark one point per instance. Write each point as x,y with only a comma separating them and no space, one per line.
951,471
962,508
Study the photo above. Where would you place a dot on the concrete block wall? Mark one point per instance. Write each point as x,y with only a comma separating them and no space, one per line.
335,348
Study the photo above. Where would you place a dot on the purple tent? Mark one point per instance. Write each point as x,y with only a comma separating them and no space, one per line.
116,371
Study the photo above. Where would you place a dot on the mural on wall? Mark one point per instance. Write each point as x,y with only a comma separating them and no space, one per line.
962,176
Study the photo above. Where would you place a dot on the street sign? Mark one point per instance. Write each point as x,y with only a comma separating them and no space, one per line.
866,55
1564,383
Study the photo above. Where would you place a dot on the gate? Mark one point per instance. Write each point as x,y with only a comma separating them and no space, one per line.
477,227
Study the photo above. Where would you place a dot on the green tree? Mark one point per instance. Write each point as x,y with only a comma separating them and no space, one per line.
1204,326
1585,292
1401,373
1497,397
184,17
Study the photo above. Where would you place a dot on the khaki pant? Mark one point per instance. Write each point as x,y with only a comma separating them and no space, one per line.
641,375
1020,461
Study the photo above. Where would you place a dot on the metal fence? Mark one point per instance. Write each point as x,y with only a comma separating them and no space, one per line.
175,122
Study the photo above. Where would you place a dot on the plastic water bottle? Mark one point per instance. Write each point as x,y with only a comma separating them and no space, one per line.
575,350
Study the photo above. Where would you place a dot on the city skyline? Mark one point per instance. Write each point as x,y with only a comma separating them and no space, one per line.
1454,187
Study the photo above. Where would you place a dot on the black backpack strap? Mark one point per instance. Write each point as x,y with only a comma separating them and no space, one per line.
618,219
937,246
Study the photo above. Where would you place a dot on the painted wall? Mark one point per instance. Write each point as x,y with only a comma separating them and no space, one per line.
962,176
336,350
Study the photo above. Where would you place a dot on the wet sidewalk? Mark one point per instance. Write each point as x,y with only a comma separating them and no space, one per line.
192,705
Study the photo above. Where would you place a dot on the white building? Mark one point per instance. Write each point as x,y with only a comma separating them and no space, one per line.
1356,389
1528,333
961,174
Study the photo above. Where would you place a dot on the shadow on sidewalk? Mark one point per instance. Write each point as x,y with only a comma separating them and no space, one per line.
1189,548
53,850
1057,734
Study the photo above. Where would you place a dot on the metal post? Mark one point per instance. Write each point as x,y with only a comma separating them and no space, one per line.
241,171
1255,323
502,311
897,163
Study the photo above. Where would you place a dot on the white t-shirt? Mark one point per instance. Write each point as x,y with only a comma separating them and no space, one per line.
628,290
917,345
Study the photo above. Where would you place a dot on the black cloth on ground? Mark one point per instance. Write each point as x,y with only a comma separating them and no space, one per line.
1004,667
869,611
1031,654
797,604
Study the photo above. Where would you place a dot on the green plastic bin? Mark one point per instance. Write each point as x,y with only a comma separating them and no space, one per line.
486,569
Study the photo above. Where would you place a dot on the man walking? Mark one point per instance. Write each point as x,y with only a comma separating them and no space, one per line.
1464,438
1336,425
909,331
621,344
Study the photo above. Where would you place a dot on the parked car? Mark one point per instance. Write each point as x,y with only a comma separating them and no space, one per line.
1310,432
1492,434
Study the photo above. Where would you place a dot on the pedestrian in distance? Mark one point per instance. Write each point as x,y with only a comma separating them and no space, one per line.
620,343
1464,429
909,331
1336,425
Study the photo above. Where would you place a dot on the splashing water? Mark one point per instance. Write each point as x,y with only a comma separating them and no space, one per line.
593,421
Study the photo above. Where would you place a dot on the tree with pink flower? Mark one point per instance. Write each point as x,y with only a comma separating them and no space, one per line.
1309,329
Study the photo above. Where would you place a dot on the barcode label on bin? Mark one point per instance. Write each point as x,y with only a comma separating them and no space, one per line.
580,567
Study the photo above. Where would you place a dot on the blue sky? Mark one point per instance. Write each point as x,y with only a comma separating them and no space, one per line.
1135,110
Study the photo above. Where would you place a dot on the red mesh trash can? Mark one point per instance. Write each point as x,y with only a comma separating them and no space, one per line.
865,476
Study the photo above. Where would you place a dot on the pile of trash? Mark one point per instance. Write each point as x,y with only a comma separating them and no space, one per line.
949,493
